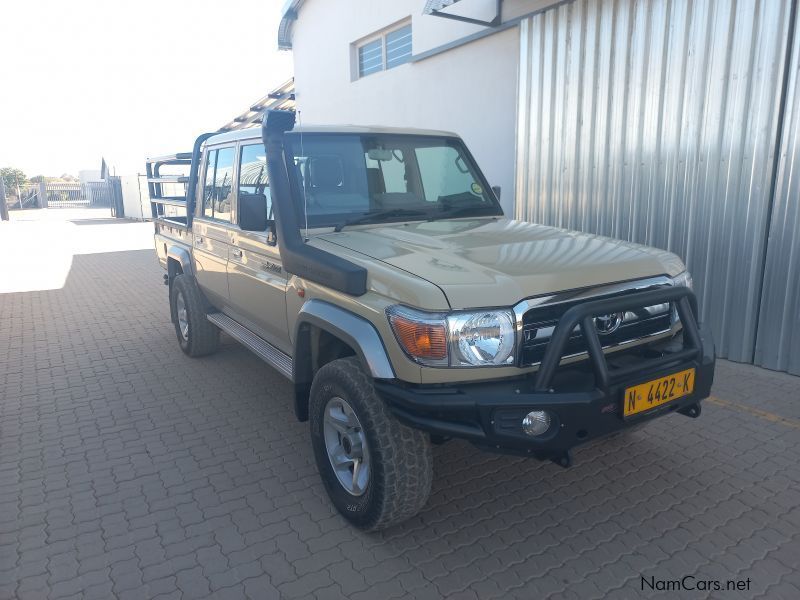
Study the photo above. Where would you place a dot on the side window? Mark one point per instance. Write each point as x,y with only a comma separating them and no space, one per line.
253,174
394,173
440,179
386,171
218,185
208,185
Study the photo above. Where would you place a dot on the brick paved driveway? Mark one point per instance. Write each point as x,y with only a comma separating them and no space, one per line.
129,470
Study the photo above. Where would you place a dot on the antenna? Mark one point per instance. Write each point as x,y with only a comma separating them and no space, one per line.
305,175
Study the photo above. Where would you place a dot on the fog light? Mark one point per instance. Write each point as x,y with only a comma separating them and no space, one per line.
536,422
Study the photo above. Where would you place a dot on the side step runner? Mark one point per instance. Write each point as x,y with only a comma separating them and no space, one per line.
260,347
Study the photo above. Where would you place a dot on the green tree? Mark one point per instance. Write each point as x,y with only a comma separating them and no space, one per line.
13,177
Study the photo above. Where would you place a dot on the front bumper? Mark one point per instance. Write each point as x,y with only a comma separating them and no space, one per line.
585,400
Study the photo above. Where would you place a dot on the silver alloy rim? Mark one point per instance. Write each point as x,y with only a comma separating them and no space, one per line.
183,320
346,445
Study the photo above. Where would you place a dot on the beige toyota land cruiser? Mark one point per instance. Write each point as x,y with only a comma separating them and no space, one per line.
374,268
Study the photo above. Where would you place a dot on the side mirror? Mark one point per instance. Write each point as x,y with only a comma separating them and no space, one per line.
253,212
496,190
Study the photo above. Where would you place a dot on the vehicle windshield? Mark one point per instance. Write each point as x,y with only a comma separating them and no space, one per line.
346,179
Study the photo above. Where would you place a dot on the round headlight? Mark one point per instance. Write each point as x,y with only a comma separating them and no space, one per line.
482,339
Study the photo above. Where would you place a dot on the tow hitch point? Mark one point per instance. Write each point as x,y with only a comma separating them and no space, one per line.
691,411
563,460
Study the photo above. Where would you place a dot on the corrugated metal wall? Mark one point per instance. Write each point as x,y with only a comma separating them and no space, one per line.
657,121
778,344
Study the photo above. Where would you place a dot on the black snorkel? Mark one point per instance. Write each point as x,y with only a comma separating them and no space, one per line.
299,258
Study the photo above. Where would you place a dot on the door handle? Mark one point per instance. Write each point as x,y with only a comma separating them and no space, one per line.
198,241
237,253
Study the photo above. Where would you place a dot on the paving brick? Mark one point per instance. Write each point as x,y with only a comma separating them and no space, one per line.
235,592
331,592
235,575
169,567
348,578
126,575
259,587
193,583
212,560
303,587
189,545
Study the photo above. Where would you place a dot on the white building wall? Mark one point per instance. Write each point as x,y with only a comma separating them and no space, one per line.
470,90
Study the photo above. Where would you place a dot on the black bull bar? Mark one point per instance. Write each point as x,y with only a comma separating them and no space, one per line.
685,302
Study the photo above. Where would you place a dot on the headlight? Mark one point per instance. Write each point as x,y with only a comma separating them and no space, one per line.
683,279
474,339
481,339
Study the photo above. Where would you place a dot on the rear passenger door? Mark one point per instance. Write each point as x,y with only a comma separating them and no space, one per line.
212,224
256,277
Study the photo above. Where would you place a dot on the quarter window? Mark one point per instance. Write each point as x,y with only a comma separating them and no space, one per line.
389,50
208,185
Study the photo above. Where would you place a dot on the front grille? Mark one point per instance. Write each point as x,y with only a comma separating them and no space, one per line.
538,324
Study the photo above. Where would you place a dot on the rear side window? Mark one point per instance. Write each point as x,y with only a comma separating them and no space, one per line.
218,185
253,179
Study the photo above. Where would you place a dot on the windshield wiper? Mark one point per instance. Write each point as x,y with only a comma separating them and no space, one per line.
475,210
377,216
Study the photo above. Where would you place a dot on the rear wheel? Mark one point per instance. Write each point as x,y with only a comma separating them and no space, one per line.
377,471
196,335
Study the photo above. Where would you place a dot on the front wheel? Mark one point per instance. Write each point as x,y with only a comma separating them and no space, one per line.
377,471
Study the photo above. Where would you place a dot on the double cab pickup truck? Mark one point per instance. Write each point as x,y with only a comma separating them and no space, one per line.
374,268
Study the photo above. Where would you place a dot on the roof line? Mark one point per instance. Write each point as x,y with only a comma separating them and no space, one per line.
288,17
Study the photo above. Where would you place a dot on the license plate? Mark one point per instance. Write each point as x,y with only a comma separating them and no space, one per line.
643,397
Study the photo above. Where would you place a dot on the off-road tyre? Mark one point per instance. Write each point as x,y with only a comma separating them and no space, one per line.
401,469
202,337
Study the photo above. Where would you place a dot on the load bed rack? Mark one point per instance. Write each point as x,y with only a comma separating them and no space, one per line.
161,196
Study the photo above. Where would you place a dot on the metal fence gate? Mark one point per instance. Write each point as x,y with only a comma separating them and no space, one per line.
94,194
65,195
675,124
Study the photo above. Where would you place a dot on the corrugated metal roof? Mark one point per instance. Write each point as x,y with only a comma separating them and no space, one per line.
282,97
655,121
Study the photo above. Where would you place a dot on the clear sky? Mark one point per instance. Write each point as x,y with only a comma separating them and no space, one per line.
82,79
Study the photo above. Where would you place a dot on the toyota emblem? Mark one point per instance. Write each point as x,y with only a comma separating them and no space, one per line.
607,324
